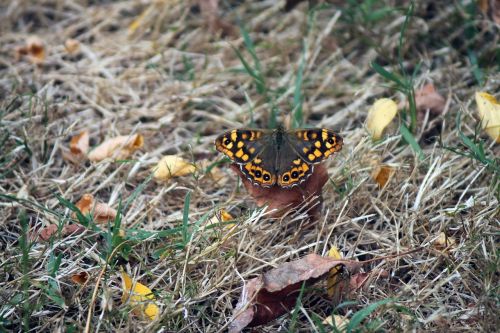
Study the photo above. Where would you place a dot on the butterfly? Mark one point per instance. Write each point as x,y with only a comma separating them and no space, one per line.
285,158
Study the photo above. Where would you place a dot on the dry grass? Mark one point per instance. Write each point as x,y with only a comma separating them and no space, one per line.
180,85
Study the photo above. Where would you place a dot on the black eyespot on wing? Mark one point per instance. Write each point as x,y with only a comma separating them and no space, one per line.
267,177
295,175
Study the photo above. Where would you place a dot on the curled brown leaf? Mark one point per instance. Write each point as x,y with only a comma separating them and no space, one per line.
101,212
427,98
274,293
80,278
34,50
71,229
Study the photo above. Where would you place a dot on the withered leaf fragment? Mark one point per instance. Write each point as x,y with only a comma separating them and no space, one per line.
275,292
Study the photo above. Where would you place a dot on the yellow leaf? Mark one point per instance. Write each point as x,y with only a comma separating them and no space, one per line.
444,241
340,322
118,147
489,112
332,275
220,217
141,298
172,166
379,116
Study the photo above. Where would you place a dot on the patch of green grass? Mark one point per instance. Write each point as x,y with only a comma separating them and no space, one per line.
256,72
366,13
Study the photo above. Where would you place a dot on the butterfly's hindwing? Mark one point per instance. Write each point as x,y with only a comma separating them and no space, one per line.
290,168
260,171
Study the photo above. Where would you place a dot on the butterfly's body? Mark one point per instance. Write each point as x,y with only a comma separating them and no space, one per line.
287,158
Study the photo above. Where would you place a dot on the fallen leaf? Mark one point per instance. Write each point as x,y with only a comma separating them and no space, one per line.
72,46
281,200
363,279
337,321
172,166
333,274
444,242
79,144
489,113
381,174
427,98
80,278
71,229
140,297
275,292
219,218
119,147
379,116
34,50
101,212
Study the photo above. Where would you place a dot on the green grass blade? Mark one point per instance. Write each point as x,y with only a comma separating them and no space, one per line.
410,139
387,75
359,316
185,219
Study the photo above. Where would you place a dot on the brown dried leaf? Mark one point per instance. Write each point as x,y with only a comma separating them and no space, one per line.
360,280
427,98
280,200
101,212
71,229
79,144
72,46
274,293
80,278
34,50
119,147
382,173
